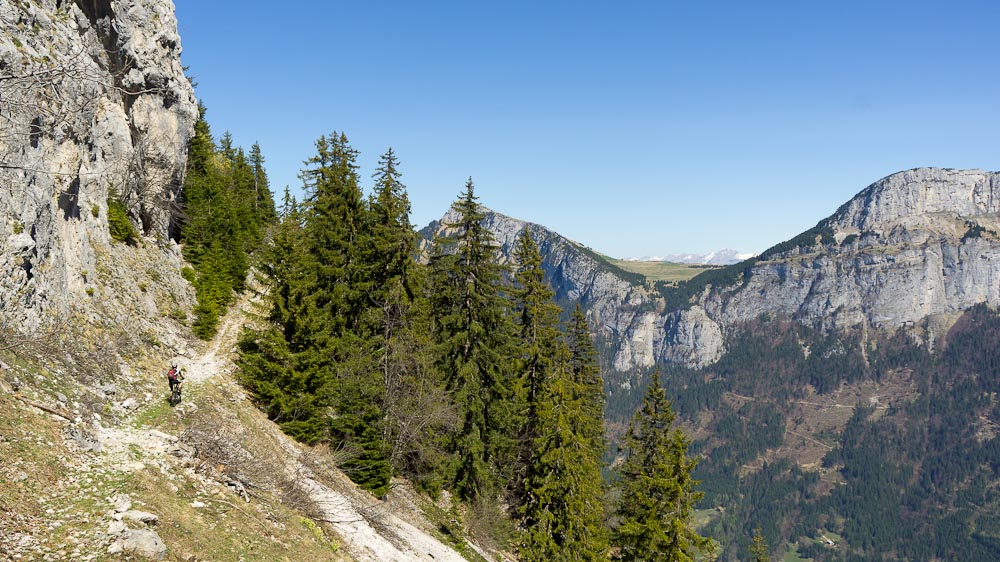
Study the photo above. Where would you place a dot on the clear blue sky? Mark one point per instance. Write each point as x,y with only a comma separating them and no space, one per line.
636,128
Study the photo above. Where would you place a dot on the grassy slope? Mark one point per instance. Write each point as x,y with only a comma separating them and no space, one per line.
55,499
660,270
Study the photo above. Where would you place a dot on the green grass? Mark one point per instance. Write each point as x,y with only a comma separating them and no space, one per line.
660,270
793,556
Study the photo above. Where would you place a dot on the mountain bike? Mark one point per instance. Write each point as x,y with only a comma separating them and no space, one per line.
175,394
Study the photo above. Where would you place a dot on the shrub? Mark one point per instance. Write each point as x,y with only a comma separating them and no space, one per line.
119,225
18,227
90,291
188,274
95,210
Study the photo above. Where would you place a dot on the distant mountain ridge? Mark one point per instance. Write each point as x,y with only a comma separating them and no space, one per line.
913,249
724,256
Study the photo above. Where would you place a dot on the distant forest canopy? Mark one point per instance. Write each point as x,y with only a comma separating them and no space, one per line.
913,476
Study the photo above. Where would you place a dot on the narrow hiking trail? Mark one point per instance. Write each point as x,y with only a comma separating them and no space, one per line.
217,357
139,460
371,530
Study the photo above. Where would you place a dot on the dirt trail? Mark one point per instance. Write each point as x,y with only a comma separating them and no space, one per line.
216,358
370,531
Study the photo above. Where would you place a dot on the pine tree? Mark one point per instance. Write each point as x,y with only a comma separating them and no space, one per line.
657,490
472,330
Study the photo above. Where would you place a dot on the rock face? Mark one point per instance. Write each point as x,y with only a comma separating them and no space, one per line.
910,251
917,245
93,103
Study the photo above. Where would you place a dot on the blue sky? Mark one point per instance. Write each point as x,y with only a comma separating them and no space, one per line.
636,128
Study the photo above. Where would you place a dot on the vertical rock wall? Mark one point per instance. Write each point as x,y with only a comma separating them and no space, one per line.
93,103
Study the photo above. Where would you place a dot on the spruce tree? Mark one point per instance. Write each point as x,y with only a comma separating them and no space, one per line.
472,329
336,354
657,490
416,408
587,375
263,199
537,342
562,514
537,318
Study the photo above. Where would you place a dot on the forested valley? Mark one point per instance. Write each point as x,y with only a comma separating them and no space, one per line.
911,477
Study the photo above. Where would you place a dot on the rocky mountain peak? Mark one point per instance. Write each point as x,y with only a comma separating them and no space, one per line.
914,197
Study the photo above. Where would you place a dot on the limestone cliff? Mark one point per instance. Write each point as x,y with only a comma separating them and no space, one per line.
93,103
918,246
911,251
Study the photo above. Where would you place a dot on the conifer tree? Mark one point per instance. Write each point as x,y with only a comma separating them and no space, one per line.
473,331
587,375
335,353
217,232
263,199
537,340
562,514
657,490
537,319
416,408
758,548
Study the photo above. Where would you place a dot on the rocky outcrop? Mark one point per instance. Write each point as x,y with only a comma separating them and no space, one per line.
94,104
915,245
913,249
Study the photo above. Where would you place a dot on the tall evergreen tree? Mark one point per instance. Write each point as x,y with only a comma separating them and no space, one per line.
657,490
473,331
562,517
263,199
537,319
338,356
587,375
538,341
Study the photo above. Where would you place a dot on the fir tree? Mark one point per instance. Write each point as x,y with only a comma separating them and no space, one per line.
587,375
657,490
472,329
562,516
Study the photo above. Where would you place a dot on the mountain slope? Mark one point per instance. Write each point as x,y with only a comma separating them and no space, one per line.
917,247
913,250
223,482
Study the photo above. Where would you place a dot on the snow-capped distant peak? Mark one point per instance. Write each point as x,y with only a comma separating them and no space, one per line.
724,256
